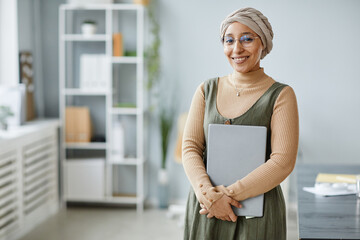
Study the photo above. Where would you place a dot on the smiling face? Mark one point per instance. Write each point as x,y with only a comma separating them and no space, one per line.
242,59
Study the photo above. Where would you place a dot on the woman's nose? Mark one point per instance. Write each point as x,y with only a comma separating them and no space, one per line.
238,47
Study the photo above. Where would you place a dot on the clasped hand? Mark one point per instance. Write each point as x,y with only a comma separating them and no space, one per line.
221,209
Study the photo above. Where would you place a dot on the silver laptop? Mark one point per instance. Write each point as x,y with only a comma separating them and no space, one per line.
233,152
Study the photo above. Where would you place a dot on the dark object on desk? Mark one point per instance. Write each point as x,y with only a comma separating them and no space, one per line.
323,217
98,138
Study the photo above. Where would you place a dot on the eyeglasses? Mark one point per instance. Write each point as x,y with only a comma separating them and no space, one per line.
245,40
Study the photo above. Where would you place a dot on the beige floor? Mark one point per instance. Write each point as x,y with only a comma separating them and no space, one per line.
79,223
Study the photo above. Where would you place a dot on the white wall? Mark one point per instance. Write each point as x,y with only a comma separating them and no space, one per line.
316,47
9,66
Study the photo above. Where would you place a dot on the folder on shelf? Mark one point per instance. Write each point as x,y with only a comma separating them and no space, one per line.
77,124
94,72
103,75
118,48
87,66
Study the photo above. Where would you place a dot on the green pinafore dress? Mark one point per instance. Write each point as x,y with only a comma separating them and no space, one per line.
272,226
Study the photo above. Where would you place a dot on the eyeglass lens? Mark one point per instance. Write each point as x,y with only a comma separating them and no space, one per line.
245,40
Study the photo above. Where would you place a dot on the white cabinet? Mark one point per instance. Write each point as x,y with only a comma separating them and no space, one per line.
85,179
113,91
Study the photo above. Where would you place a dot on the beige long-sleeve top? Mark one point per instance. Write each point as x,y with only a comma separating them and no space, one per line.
284,136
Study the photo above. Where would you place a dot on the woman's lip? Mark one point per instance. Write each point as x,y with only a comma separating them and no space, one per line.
239,60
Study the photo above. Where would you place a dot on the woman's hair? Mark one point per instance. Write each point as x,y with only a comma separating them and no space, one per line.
255,20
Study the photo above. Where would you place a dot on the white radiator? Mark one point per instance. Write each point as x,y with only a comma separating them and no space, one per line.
39,183
28,178
9,198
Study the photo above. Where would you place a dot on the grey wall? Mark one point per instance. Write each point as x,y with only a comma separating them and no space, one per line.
26,25
49,29
29,35
315,51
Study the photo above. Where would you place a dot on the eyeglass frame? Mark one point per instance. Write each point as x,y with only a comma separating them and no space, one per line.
237,39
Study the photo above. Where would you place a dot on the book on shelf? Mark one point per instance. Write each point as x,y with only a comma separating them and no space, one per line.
118,47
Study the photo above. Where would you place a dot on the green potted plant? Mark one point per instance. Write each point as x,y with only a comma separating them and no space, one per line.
88,27
5,112
166,120
153,50
164,115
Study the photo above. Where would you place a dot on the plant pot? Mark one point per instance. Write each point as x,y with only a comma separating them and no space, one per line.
3,126
163,188
88,28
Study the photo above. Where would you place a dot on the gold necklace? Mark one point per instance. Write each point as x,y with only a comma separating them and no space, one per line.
238,91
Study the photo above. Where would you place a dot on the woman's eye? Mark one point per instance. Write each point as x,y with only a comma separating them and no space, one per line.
246,38
229,40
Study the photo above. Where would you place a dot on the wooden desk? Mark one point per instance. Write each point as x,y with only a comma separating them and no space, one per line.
326,217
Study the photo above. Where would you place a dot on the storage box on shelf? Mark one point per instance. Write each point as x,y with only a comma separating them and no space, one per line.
85,179
108,66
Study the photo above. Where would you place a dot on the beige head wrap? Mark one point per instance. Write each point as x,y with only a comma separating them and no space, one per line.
255,20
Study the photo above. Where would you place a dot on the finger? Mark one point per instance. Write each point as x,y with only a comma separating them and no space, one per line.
210,215
202,206
228,218
232,217
203,211
235,203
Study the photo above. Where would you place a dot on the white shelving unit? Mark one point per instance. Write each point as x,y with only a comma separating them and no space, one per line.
112,18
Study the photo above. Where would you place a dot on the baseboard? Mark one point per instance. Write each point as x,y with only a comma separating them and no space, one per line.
154,203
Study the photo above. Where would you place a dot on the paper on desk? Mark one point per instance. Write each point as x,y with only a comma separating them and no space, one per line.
327,184
335,178
329,191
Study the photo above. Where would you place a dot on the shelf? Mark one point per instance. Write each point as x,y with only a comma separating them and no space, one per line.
78,91
124,198
115,6
112,199
85,38
91,145
125,111
133,60
125,161
122,91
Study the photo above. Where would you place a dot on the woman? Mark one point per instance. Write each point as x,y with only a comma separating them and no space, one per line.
247,96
